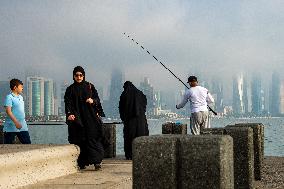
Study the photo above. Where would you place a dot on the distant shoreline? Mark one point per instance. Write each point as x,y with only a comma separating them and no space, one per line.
46,123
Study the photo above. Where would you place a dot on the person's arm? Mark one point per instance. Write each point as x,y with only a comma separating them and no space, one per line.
183,102
209,98
13,118
68,105
95,100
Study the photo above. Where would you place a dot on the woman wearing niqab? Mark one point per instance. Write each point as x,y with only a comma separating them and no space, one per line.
132,109
83,111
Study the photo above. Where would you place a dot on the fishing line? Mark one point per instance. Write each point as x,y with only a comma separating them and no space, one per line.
148,52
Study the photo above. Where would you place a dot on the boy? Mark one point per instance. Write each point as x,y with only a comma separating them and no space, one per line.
15,123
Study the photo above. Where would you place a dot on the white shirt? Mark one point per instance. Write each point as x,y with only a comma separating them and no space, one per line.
198,97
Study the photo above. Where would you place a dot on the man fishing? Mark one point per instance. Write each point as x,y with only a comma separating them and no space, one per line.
198,97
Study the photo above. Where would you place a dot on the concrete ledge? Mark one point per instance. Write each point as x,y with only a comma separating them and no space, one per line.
28,164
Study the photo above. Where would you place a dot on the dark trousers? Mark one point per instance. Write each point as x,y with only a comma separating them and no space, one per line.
23,136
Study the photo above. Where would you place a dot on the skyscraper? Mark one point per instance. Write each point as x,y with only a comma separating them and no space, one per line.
116,88
239,95
4,90
35,96
257,98
282,97
48,97
274,104
148,90
63,88
217,90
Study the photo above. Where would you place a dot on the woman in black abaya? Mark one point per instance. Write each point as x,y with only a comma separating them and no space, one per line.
83,111
132,109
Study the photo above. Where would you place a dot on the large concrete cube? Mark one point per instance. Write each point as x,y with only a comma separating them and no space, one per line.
174,128
180,129
183,161
243,156
213,131
258,143
155,162
206,161
110,136
167,128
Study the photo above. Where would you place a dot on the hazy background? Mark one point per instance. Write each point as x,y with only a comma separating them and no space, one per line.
215,38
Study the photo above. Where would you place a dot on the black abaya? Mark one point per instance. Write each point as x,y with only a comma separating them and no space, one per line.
132,109
86,130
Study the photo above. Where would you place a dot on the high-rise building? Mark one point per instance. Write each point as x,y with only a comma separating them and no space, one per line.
63,88
100,91
217,91
4,90
157,102
48,97
148,90
35,96
274,97
116,88
282,97
239,95
257,96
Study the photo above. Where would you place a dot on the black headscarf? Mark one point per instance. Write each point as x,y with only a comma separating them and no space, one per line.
78,69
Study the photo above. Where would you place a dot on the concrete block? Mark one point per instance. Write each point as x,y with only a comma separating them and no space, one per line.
206,161
155,161
213,131
23,165
110,137
179,129
174,128
243,156
258,143
167,128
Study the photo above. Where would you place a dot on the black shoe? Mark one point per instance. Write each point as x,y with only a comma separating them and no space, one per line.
98,167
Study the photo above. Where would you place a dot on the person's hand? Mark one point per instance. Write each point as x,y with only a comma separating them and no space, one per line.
18,125
89,100
71,117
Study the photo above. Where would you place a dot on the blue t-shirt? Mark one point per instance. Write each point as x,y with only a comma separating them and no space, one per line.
18,109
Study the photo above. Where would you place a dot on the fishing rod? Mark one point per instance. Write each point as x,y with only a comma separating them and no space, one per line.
215,113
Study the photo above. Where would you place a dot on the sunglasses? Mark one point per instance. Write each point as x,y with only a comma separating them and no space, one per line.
79,75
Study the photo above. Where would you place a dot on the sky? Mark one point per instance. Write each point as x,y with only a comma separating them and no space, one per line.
216,39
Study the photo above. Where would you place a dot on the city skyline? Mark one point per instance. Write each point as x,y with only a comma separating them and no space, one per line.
248,95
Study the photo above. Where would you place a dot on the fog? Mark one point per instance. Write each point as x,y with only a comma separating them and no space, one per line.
211,38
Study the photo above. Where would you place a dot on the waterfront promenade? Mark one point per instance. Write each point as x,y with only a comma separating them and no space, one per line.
117,173
51,161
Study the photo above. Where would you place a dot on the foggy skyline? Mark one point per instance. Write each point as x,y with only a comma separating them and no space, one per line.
211,38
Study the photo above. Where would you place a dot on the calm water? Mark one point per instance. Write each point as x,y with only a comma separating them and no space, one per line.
273,132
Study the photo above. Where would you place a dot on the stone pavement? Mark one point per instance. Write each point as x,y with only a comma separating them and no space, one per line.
115,173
